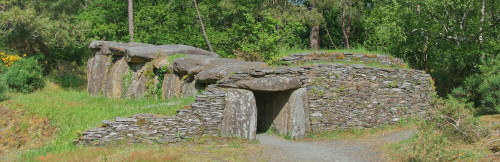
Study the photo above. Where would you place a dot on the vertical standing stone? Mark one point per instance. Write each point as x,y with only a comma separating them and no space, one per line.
240,115
299,113
96,73
114,80
171,86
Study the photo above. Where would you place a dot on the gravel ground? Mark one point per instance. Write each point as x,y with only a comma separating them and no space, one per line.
364,149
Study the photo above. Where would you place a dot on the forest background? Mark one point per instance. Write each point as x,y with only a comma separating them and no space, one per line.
456,41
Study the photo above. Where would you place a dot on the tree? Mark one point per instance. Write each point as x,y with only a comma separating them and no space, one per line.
44,28
202,26
131,20
316,18
314,35
350,13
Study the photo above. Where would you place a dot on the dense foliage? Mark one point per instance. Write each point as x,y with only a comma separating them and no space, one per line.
483,89
24,75
448,39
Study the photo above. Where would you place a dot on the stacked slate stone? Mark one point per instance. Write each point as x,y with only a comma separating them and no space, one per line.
345,96
202,117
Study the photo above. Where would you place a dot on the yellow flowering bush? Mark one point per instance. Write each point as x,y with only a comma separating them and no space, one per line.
8,59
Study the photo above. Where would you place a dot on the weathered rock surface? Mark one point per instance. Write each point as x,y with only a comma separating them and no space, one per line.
171,86
162,62
220,71
103,47
114,80
195,64
240,116
270,84
96,74
136,87
140,54
299,114
284,112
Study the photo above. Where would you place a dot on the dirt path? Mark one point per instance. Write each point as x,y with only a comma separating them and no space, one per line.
365,149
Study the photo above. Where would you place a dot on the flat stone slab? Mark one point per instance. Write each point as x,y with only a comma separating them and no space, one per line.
270,84
105,47
192,64
121,119
140,54
212,75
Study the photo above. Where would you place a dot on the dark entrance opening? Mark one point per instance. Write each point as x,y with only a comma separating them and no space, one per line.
272,108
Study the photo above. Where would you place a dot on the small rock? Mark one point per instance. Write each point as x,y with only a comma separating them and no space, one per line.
121,119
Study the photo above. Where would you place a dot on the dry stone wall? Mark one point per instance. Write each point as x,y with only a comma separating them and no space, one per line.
344,96
202,117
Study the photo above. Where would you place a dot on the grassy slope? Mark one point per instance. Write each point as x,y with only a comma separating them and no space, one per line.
72,112
354,50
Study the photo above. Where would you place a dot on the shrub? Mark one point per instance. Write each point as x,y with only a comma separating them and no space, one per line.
3,88
24,75
439,138
483,89
69,75
8,60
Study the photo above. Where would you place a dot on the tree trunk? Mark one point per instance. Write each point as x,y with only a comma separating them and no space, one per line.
329,36
482,22
314,37
203,26
131,20
345,29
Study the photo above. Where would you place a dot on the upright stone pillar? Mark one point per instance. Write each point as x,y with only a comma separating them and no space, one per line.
240,115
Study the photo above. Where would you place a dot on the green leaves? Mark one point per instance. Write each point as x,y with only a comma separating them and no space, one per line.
24,75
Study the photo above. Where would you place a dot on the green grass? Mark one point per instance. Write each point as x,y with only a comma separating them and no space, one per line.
202,149
373,64
359,50
73,112
172,58
362,132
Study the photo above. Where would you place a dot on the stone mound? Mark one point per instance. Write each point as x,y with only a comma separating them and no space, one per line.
241,99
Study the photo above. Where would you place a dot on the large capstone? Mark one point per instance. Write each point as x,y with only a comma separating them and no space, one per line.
110,47
218,72
195,64
270,84
240,116
139,54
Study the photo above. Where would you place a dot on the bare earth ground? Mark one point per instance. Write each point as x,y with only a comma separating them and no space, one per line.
362,149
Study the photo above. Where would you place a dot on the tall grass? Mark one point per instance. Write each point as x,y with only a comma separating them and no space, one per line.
357,50
73,111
